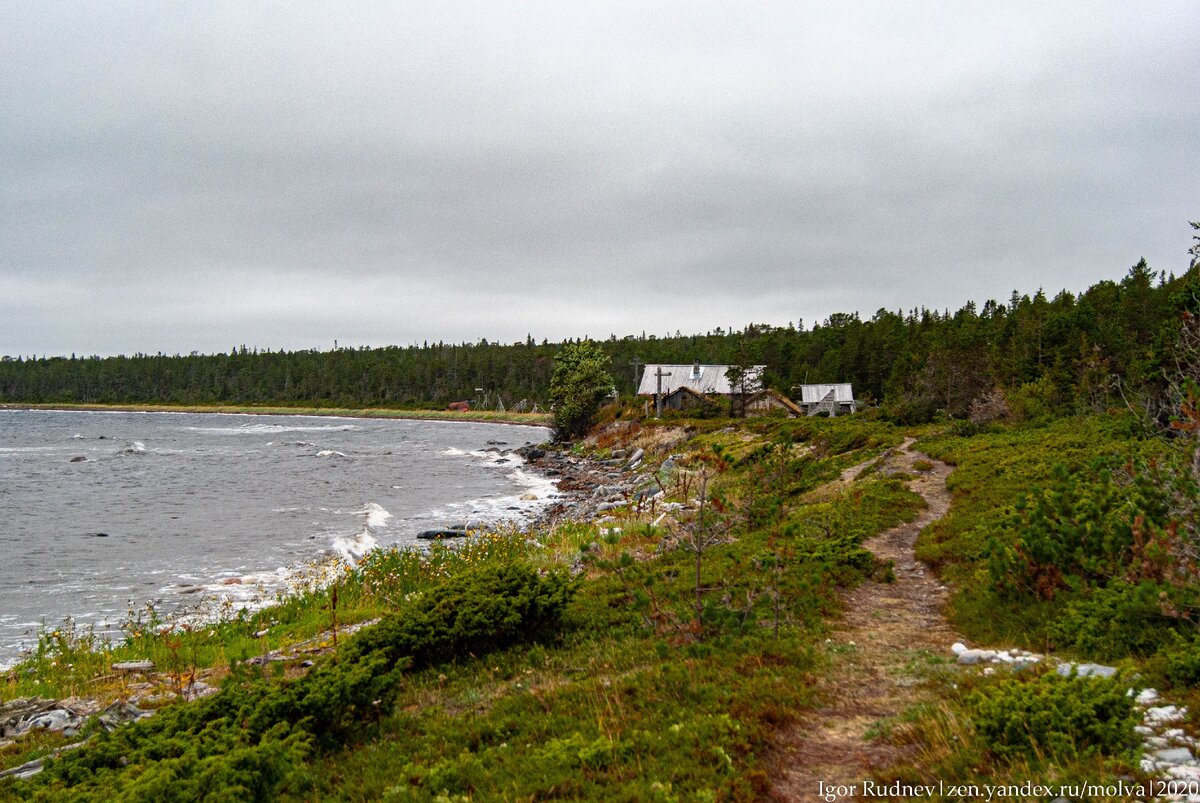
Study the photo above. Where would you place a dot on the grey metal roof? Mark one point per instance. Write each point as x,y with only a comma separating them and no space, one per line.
708,379
811,394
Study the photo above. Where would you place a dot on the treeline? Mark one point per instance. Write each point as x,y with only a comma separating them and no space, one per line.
416,376
1047,354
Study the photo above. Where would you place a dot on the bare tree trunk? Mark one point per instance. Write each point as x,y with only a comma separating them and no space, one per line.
699,544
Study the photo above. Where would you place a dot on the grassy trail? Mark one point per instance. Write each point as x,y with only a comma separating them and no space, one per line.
887,631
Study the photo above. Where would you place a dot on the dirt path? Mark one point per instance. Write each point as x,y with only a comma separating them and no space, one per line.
886,626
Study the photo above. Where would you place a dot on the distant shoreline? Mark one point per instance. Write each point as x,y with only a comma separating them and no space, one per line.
473,416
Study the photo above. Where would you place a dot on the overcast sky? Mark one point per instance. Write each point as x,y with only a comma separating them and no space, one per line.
195,176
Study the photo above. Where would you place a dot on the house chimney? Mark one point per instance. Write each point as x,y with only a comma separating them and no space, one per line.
695,369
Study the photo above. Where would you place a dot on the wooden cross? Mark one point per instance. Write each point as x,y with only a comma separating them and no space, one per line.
636,362
658,400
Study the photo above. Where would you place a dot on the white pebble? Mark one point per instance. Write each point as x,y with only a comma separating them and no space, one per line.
1146,697
1184,773
1164,713
1175,755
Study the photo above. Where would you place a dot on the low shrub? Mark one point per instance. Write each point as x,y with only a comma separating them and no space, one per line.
1116,622
476,612
1055,717
1178,662
249,740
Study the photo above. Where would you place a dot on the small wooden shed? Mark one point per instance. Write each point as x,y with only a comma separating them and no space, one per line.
685,398
768,401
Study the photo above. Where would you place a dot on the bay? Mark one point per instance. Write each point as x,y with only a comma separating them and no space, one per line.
102,512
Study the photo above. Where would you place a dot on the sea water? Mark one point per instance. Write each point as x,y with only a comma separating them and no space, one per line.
103,512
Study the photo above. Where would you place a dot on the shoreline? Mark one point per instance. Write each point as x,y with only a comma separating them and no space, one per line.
575,480
451,416
257,588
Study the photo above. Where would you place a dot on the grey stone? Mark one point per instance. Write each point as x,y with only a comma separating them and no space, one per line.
56,721
15,713
1174,755
120,713
1164,713
1096,670
433,535
1146,696
27,770
968,657
133,666
199,689
1086,670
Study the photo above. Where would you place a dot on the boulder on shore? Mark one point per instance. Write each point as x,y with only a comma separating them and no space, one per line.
447,532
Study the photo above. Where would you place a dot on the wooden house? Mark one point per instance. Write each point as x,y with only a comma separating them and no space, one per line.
707,380
832,399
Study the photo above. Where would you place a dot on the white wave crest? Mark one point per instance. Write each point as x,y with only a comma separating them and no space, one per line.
376,516
271,429
354,548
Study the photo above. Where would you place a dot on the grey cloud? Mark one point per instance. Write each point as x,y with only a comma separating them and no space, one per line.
399,172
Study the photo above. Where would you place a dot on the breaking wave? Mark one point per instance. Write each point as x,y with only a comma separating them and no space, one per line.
273,429
354,547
